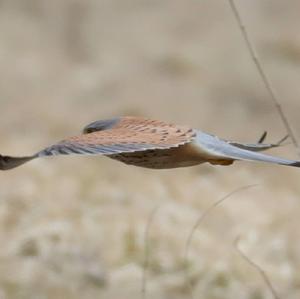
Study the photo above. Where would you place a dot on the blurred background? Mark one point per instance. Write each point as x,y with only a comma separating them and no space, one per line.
74,227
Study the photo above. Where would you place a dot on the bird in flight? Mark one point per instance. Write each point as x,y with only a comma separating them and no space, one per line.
153,144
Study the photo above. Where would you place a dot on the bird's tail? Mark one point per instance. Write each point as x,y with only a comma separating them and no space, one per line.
8,162
223,149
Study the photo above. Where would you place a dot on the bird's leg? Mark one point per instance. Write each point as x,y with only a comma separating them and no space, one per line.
282,140
263,137
259,146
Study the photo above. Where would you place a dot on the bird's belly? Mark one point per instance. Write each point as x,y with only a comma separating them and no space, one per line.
181,156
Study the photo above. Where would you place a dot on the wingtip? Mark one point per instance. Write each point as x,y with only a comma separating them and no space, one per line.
8,162
295,164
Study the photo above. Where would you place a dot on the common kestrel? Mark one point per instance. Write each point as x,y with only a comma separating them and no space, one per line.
153,144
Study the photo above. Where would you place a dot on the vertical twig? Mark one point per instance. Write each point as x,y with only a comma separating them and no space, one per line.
146,257
258,268
263,75
196,225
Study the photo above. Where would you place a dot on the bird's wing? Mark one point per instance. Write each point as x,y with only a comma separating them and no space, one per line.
127,135
220,149
108,137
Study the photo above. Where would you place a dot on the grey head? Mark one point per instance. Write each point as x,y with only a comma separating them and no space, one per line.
101,125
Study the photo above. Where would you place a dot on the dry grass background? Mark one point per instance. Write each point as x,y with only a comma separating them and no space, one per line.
74,227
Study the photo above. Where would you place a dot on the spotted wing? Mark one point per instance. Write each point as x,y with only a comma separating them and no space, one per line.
129,134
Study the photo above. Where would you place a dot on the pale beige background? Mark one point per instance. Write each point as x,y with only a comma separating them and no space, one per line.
73,227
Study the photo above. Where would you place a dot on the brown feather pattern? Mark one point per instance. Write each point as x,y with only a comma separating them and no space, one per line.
153,144
130,134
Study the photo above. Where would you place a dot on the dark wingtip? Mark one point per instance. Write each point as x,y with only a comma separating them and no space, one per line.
8,162
295,164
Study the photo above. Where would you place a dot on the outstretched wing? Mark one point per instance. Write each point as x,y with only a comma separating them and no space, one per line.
123,135
114,136
220,149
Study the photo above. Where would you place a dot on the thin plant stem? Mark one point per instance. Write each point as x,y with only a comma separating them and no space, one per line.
264,76
196,226
262,273
147,252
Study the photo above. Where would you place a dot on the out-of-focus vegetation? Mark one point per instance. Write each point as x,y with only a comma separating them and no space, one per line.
74,227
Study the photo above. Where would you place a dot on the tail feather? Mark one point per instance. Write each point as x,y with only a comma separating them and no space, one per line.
8,162
223,149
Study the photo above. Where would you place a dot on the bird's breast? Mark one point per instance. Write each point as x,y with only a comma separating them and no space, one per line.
181,156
